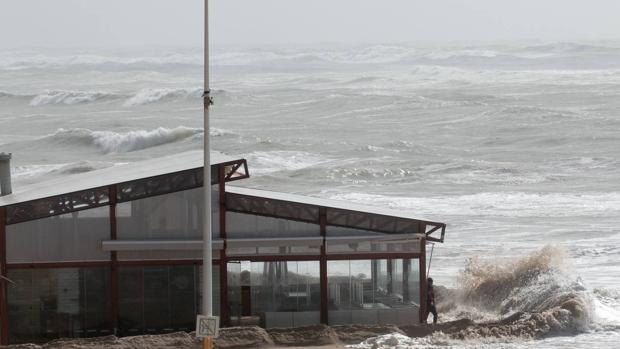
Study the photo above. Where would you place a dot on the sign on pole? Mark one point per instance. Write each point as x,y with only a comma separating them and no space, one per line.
207,326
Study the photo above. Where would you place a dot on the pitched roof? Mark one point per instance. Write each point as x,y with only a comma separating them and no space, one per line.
112,175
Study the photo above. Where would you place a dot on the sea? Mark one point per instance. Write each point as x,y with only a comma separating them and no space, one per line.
515,145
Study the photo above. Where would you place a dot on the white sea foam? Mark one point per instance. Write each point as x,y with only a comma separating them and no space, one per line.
505,204
267,162
392,341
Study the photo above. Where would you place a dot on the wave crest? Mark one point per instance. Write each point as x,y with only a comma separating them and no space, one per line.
115,142
530,297
69,97
148,96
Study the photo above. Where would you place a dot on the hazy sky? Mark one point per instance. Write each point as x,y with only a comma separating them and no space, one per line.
179,22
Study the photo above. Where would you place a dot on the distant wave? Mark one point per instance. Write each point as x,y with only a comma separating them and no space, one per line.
503,204
5,94
148,96
70,97
370,54
32,173
570,47
115,142
40,61
141,97
267,162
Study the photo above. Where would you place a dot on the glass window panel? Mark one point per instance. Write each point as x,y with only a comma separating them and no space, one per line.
45,304
332,230
335,246
170,216
241,225
131,306
274,294
69,237
273,250
373,291
162,255
162,299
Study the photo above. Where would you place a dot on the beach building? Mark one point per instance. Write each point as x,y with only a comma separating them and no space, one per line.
118,250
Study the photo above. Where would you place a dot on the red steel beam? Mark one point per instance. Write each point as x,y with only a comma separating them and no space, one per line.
224,314
423,286
114,261
4,317
58,265
323,268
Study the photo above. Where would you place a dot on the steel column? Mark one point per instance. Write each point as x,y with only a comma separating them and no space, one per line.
4,317
423,286
406,271
114,261
224,313
323,267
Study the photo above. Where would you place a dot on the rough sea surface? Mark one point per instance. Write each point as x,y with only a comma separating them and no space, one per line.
516,146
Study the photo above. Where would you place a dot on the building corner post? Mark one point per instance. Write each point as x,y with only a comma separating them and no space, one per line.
423,287
113,260
4,317
323,268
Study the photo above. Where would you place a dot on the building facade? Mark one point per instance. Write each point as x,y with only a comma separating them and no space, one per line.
118,251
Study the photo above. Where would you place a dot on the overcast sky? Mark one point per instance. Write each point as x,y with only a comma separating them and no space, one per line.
90,23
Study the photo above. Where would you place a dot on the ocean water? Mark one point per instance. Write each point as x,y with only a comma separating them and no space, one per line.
516,146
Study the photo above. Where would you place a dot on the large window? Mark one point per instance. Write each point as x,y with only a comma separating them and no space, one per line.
68,237
176,215
373,291
274,294
161,298
242,225
51,303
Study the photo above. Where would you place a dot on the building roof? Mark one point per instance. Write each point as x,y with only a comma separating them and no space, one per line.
112,175
320,202
335,212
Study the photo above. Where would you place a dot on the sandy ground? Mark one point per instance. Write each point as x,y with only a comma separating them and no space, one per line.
553,321
319,336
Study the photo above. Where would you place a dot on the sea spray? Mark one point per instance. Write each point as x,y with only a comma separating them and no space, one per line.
533,296
511,300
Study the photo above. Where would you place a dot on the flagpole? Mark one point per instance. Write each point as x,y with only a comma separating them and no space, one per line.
207,258
207,277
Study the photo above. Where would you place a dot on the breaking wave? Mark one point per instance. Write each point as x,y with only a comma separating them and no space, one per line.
148,96
32,173
267,162
70,97
41,61
117,142
142,97
500,301
531,297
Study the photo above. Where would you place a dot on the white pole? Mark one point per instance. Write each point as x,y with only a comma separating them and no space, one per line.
207,277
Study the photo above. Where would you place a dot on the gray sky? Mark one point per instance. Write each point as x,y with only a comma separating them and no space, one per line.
252,22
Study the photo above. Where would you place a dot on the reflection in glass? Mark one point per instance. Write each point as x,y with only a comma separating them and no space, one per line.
51,303
274,294
373,291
